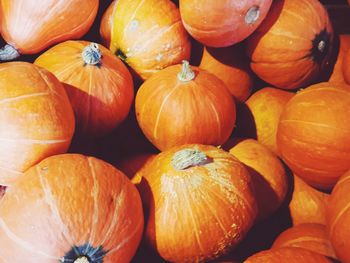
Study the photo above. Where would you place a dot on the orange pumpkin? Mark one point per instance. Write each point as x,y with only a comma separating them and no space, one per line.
307,205
312,237
346,67
148,35
106,24
286,53
30,26
76,209
268,174
200,202
180,105
313,134
222,23
99,85
36,119
344,46
232,67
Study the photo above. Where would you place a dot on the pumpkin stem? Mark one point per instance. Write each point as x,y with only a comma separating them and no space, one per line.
82,260
8,53
187,158
252,15
92,54
321,45
186,73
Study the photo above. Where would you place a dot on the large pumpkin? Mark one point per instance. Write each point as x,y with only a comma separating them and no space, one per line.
200,202
99,85
148,35
337,74
313,134
36,118
30,26
222,23
71,209
185,104
292,46
106,23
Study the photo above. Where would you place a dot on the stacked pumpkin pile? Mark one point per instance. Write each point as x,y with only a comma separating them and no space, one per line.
184,132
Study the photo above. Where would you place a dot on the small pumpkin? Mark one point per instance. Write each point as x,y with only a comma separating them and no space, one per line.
106,24
148,35
222,23
99,85
184,104
36,118
30,26
287,54
199,200
344,46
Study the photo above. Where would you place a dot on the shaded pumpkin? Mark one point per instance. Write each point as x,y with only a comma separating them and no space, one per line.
344,46
346,67
184,104
222,23
287,54
99,85
36,119
106,24
148,35
31,26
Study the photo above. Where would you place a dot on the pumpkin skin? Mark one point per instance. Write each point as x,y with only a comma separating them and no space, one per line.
36,118
78,201
213,191
148,35
106,24
132,164
232,67
346,67
226,22
337,74
99,85
180,105
55,21
287,54
313,134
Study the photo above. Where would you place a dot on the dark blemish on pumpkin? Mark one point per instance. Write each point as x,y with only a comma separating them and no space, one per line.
85,253
120,54
320,46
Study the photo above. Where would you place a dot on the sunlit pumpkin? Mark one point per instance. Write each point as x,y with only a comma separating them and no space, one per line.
106,24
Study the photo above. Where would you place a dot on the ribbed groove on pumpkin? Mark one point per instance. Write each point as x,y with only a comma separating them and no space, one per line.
25,96
296,241
337,218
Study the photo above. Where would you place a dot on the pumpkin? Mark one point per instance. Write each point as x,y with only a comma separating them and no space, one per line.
337,73
287,54
30,26
200,202
307,204
268,174
232,67
36,118
2,191
183,104
338,216
99,85
265,106
222,23
313,134
148,35
310,236
287,254
76,209
346,67
106,24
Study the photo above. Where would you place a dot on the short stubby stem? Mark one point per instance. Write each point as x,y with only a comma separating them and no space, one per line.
252,15
187,158
82,260
92,54
8,53
186,73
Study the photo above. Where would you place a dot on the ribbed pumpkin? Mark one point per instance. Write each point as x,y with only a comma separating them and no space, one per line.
72,209
286,53
313,134
222,23
99,85
106,24
200,202
36,118
232,67
344,46
184,104
30,26
149,35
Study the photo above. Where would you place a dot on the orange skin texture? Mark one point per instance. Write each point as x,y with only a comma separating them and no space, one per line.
221,23
281,48
307,205
266,106
268,174
106,24
310,236
338,217
77,200
36,119
313,134
55,21
346,67
149,34
200,212
232,67
101,95
172,112
337,74
287,254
